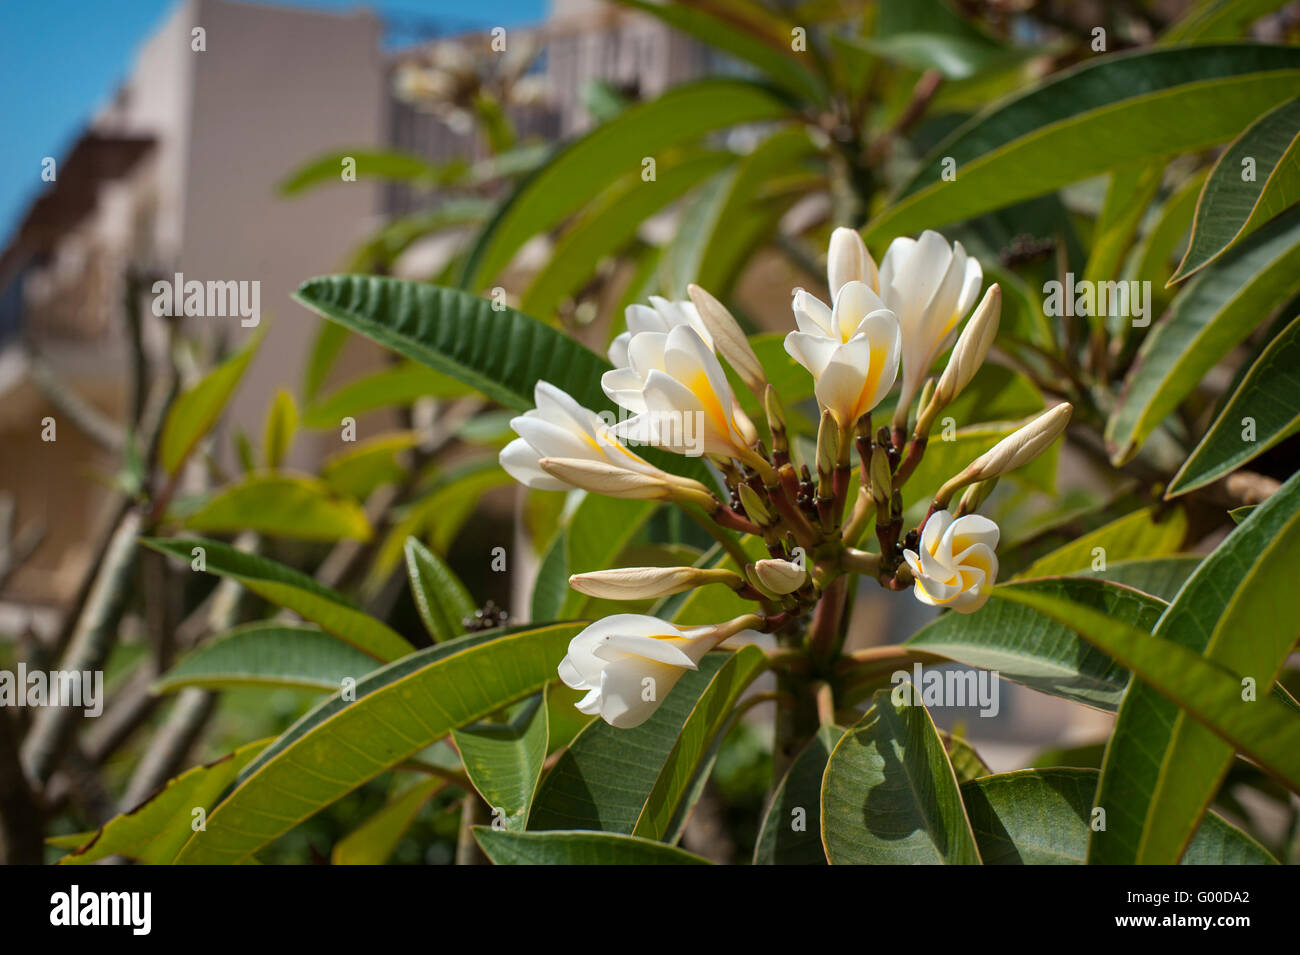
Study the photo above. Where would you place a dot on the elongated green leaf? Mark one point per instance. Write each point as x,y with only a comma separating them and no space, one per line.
605,777
194,412
393,387
1162,577
399,710
608,152
504,761
381,250
890,796
1111,112
1239,612
290,589
1233,204
791,829
358,471
1265,729
369,165
281,505
1152,532
269,654
281,423
1155,251
1218,20
1265,406
577,847
375,839
439,595
1026,647
154,831
1221,306
669,798
1043,817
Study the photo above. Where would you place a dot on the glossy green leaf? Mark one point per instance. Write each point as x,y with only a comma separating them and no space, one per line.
268,655
370,165
889,795
1109,112
1218,20
358,471
281,505
791,830
400,386
577,847
154,831
440,597
281,423
504,761
670,797
195,411
1043,817
608,152
378,253
1160,577
1239,514
291,589
1028,648
1218,309
1238,613
1151,532
1154,255
399,710
376,839
1232,204
1266,404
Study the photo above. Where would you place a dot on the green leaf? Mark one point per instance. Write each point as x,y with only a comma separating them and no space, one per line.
1218,20
1043,817
762,40
1230,206
376,839
382,165
1239,514
605,777
669,800
504,761
1269,396
608,152
154,831
577,847
281,505
890,796
358,471
381,250
1265,729
1236,617
1152,532
791,830
440,597
325,348
1155,251
194,412
1220,307
1114,111
1162,577
281,423
401,386
1024,646
268,655
291,589
399,710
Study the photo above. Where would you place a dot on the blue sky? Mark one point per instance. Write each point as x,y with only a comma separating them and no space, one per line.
60,59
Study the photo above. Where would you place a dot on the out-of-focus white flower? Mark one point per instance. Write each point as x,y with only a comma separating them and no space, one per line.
848,260
851,350
560,429
660,315
780,576
929,285
956,566
684,402
628,663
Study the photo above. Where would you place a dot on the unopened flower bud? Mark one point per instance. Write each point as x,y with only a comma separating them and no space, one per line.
776,421
882,478
972,346
780,576
1013,451
755,507
729,339
828,446
643,583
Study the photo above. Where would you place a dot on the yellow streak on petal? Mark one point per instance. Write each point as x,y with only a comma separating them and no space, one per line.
875,365
702,389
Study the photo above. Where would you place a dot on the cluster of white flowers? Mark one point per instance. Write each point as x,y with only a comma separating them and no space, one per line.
668,365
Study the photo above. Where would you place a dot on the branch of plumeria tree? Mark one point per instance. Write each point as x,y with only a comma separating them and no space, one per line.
669,369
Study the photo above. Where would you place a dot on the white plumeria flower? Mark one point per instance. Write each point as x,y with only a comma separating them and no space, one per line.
930,286
629,662
683,401
851,350
957,566
660,315
561,428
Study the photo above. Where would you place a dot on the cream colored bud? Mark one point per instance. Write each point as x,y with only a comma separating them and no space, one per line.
729,339
644,583
1013,451
848,260
781,577
971,348
755,508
